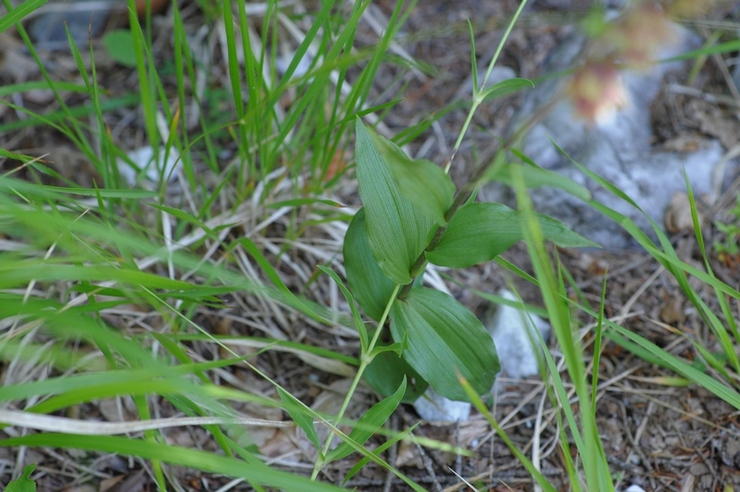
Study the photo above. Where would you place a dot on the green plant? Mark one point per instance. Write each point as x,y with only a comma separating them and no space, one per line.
102,244
24,482
410,218
729,243
76,256
413,215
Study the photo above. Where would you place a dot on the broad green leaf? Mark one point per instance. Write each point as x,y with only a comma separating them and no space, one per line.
386,372
299,415
119,44
369,286
369,423
505,87
444,340
479,232
24,482
422,182
396,230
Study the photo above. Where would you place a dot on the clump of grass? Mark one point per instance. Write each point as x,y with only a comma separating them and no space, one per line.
103,288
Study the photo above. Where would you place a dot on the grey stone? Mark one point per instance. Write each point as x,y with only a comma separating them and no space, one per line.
433,407
84,19
619,150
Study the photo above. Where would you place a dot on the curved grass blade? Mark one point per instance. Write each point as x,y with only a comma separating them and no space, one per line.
253,471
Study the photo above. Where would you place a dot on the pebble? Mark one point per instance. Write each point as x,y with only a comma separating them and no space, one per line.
514,332
433,407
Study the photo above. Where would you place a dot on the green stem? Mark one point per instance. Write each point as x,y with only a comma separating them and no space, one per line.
365,360
477,98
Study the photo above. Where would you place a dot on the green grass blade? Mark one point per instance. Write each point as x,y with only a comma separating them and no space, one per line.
192,458
17,14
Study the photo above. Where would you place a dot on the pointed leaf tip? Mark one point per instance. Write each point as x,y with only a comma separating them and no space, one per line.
396,230
481,231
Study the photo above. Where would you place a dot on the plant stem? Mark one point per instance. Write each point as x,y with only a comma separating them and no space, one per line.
477,97
365,360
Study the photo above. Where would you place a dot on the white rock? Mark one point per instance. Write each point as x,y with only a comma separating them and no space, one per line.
433,407
516,334
143,159
634,488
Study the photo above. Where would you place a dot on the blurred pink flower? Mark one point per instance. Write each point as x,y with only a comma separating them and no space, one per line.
597,91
